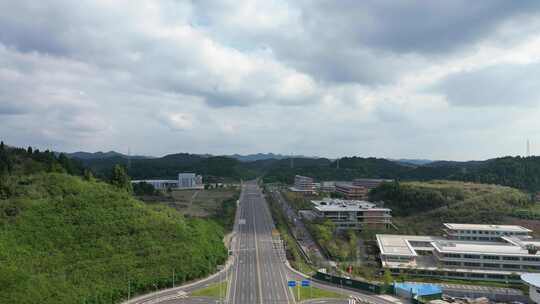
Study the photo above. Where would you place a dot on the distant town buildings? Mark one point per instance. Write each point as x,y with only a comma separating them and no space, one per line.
469,252
185,181
303,184
352,214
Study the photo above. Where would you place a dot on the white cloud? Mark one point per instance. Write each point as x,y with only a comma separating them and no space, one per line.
306,77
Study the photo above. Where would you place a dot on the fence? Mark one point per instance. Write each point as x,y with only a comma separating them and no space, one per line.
353,284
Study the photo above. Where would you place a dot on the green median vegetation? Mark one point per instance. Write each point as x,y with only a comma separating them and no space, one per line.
216,291
308,293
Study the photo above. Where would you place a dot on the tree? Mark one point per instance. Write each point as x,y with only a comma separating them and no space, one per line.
88,175
29,150
387,278
120,179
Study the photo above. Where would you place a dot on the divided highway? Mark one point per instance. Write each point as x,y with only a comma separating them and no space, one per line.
258,272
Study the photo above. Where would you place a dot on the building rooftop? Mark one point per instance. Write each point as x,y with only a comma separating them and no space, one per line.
479,247
344,205
531,279
500,228
395,244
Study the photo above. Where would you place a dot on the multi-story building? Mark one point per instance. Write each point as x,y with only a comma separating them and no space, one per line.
475,232
352,192
503,259
189,181
369,183
533,281
327,186
351,214
184,181
303,184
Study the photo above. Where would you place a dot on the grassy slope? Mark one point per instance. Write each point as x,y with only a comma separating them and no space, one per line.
63,240
422,207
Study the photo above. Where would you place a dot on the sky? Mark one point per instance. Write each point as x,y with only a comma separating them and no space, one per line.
453,79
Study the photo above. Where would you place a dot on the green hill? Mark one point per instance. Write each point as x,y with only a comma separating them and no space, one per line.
64,239
422,207
169,166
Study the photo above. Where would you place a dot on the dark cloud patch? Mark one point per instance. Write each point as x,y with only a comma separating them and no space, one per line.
501,85
425,27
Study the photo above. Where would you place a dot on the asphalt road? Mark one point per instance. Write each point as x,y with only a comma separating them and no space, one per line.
257,272
259,276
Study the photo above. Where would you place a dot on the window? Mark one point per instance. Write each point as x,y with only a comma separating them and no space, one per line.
452,255
495,276
531,259
510,258
476,275
491,257
511,266
452,263
491,265
471,264
472,256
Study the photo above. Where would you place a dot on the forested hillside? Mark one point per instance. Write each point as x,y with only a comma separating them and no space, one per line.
422,207
169,166
70,239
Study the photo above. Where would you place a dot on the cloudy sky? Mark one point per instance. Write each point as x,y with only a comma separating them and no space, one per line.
418,79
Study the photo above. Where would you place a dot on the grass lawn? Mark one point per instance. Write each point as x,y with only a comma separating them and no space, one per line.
307,293
217,291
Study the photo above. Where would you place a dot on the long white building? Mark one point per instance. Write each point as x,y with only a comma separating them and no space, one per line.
185,181
502,256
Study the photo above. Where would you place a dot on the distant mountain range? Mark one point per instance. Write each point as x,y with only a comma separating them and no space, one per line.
101,155
263,156
518,172
416,162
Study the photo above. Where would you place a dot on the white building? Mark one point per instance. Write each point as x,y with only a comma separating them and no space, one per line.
476,232
184,181
352,214
190,181
533,281
303,184
503,259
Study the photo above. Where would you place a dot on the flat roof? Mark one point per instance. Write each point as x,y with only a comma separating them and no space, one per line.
395,244
512,228
479,247
531,279
345,205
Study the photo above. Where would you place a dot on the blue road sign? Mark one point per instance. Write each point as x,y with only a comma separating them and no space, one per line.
291,283
305,283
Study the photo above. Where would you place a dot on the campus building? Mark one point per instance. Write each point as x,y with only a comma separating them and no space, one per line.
184,181
303,184
533,281
502,255
351,214
475,232
351,192
370,183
